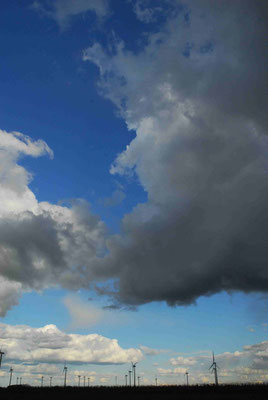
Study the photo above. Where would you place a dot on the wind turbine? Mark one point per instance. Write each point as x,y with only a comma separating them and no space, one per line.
65,374
126,379
139,380
10,378
134,372
187,379
214,369
42,381
129,373
50,380
1,355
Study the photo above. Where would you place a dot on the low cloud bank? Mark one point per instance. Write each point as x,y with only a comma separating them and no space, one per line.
248,365
50,345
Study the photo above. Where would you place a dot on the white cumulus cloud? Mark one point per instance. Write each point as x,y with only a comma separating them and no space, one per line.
41,244
50,345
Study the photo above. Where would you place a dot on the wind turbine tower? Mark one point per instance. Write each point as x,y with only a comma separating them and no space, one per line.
129,373
134,372
187,378
1,355
10,377
126,379
65,375
214,369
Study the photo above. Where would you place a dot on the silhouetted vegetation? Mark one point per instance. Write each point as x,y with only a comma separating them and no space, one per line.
236,392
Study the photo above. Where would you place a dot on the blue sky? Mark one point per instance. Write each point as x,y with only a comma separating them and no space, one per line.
134,195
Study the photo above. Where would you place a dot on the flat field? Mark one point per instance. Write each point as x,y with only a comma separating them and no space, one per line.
202,392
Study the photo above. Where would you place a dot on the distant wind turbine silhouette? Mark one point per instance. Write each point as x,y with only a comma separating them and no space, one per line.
187,378
65,374
214,369
10,377
134,372
1,355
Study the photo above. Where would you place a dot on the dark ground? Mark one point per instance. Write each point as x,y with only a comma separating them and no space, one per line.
204,392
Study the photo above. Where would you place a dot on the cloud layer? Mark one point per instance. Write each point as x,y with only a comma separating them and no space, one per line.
62,11
34,352
248,365
50,345
195,97
41,244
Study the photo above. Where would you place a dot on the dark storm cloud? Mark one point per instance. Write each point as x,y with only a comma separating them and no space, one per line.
29,249
200,153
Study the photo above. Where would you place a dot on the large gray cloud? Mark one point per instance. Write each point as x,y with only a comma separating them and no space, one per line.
41,244
53,247
195,97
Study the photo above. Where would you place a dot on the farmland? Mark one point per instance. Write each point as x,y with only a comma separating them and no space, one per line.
236,392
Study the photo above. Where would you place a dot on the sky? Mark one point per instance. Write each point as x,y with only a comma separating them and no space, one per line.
133,190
